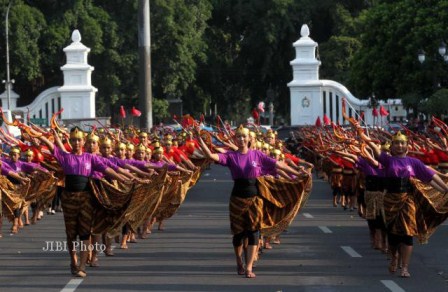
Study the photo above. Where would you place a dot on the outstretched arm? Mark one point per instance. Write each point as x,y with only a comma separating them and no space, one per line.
205,149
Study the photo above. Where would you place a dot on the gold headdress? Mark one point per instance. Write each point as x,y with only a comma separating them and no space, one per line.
148,150
130,146
143,134
141,147
29,152
121,146
242,131
14,150
399,137
385,146
276,152
156,144
252,134
76,133
158,150
92,137
106,141
270,134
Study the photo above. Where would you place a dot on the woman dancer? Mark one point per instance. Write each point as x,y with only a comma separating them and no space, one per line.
401,205
76,199
246,207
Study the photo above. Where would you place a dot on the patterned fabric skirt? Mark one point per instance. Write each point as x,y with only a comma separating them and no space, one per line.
274,209
78,213
374,204
416,213
13,197
119,204
42,189
245,214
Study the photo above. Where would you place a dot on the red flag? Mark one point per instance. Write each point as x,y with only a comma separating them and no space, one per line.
327,120
318,122
361,116
383,111
135,112
255,114
122,112
374,112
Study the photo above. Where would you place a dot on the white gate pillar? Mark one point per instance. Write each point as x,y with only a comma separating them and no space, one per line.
77,93
305,88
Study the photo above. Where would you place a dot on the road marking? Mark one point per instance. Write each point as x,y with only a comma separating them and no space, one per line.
325,229
308,215
72,285
392,286
351,252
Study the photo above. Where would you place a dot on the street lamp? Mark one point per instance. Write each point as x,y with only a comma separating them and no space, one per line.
8,78
442,51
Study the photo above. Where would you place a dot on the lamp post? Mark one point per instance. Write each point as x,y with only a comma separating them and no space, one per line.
8,78
442,51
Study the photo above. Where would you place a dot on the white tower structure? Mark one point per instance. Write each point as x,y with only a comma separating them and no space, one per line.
77,93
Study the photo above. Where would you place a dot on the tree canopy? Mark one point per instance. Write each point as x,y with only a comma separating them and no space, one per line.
231,54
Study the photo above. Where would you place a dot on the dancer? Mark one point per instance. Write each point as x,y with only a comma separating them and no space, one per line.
76,199
246,207
401,204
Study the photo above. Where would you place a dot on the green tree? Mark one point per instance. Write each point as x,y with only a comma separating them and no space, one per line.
391,33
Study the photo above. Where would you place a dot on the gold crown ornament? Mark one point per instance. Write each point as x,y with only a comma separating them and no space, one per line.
252,134
141,147
270,135
14,150
76,133
156,144
242,131
121,146
276,152
158,150
130,146
106,141
148,150
399,137
92,137
143,134
29,152
385,146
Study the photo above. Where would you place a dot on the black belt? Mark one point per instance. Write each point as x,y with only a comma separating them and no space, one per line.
76,183
397,185
374,183
245,188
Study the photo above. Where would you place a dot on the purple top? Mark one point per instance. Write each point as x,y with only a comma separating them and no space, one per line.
368,169
171,166
99,175
22,166
5,169
405,167
250,165
83,164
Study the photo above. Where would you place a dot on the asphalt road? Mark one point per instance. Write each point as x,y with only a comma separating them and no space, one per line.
325,249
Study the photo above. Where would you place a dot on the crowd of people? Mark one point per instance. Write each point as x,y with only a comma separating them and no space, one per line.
119,184
114,184
397,182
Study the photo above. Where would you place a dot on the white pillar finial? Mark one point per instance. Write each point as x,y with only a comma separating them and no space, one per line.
76,36
305,31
